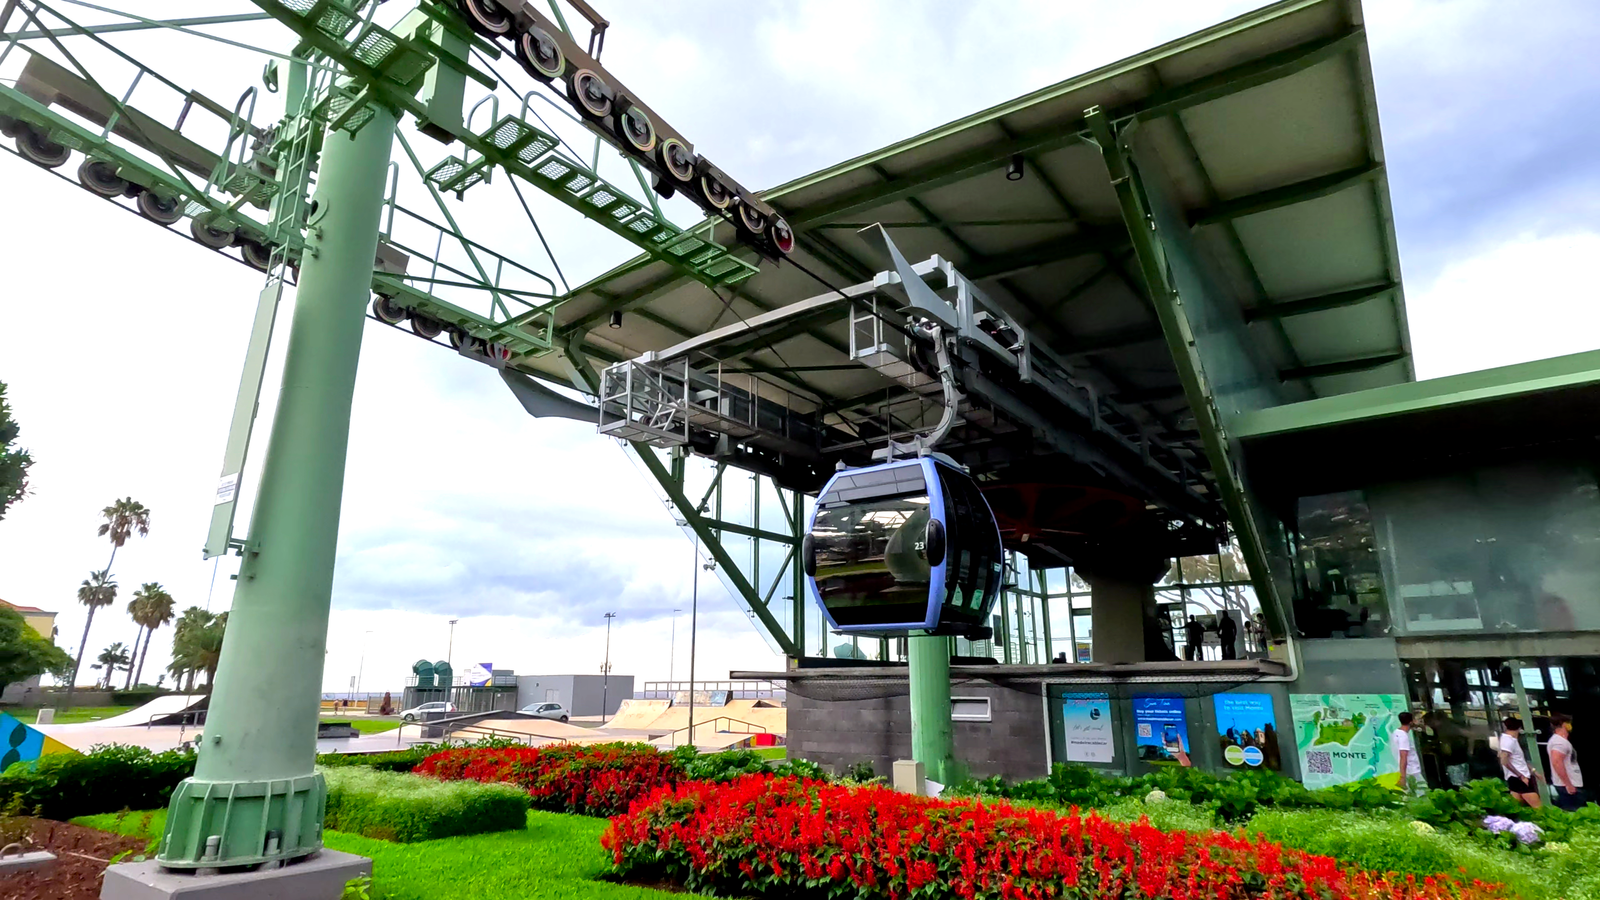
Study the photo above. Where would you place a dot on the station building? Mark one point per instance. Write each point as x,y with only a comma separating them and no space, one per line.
1241,532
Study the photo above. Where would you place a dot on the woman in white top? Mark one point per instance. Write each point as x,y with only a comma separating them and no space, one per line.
1564,771
1519,777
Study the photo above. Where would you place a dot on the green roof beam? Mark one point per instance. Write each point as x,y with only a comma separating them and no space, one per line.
1288,195
1337,299
1342,367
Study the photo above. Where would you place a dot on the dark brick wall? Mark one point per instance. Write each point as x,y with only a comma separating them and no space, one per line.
840,733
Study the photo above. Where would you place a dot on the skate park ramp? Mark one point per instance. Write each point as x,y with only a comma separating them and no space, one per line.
636,715
160,711
537,729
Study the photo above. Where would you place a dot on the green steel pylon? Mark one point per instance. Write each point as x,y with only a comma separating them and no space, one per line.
932,740
255,796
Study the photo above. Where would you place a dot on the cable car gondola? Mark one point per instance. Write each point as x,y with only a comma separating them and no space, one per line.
903,546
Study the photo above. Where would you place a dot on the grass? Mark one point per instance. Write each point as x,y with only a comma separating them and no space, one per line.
778,753
558,857
365,726
70,716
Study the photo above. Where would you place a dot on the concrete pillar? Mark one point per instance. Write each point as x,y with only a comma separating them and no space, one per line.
1117,612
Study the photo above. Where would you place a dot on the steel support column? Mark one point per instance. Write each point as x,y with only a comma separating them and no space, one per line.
255,796
932,740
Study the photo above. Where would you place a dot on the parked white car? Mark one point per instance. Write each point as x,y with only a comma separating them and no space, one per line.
417,712
546,711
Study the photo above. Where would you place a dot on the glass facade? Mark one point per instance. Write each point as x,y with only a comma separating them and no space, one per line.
1512,548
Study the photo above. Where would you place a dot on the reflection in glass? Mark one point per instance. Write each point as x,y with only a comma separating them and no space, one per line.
872,566
1339,582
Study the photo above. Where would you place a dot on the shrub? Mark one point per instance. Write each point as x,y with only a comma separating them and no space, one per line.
404,760
1394,844
590,780
761,836
727,765
393,806
106,779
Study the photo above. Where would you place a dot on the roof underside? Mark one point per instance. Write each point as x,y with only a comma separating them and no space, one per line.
1267,130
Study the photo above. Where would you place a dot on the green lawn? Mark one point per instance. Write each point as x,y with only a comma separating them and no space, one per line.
365,726
772,752
558,857
70,716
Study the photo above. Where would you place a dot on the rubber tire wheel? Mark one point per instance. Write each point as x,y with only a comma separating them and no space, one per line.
153,208
100,177
488,16
215,238
408,718
40,150
386,310
425,327
255,254
563,718
530,62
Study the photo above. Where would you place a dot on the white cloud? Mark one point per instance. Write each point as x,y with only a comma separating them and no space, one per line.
1528,298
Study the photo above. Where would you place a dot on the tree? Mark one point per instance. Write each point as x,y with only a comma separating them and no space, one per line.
14,461
123,519
24,653
151,608
196,646
111,659
96,591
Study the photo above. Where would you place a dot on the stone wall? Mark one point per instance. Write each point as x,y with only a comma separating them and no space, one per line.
840,733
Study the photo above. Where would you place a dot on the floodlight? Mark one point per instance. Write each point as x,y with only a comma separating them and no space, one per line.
1014,168
616,318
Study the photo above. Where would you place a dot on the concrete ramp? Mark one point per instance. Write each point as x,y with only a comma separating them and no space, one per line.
637,715
161,710
543,728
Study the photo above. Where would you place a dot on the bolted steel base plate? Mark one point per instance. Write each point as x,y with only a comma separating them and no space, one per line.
321,876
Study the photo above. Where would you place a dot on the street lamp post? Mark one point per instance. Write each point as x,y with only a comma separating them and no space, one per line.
361,666
694,618
605,673
672,652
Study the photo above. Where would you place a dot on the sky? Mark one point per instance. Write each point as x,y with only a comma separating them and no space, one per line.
122,345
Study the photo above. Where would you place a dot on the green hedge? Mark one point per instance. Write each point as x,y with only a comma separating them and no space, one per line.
138,696
394,806
107,779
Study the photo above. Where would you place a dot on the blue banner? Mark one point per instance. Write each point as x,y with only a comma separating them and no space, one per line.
1161,729
1248,730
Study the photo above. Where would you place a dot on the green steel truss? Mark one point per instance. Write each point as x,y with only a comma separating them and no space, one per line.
510,143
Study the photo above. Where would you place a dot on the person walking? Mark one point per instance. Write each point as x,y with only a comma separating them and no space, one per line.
1514,764
1407,762
1564,772
1194,635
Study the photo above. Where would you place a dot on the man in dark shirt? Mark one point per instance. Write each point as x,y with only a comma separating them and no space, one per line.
1228,631
1194,635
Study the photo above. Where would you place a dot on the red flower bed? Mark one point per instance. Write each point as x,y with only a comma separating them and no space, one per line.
761,836
590,780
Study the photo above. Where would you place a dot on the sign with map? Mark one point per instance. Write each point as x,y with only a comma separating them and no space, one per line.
1345,737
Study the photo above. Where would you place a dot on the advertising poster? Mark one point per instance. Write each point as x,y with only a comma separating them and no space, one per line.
1161,729
1248,731
1087,728
480,674
1345,737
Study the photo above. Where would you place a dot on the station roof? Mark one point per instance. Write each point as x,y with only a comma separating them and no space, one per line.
1329,444
1267,128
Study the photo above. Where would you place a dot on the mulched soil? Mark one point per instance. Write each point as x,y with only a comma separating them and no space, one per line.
82,855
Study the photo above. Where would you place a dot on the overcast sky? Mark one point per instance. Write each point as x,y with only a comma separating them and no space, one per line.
122,345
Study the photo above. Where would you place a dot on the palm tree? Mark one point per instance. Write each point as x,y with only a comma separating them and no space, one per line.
122,519
196,645
111,659
96,591
151,608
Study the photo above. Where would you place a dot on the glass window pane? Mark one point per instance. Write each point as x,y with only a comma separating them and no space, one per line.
1201,569
1340,583
872,566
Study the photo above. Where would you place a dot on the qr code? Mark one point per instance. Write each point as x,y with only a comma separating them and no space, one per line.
1319,762
1145,731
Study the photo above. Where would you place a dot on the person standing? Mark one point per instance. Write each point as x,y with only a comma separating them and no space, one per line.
1564,772
1228,633
1407,762
1194,635
1514,764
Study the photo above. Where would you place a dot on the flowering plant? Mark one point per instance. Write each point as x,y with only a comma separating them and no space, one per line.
1526,832
590,780
772,837
1497,824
